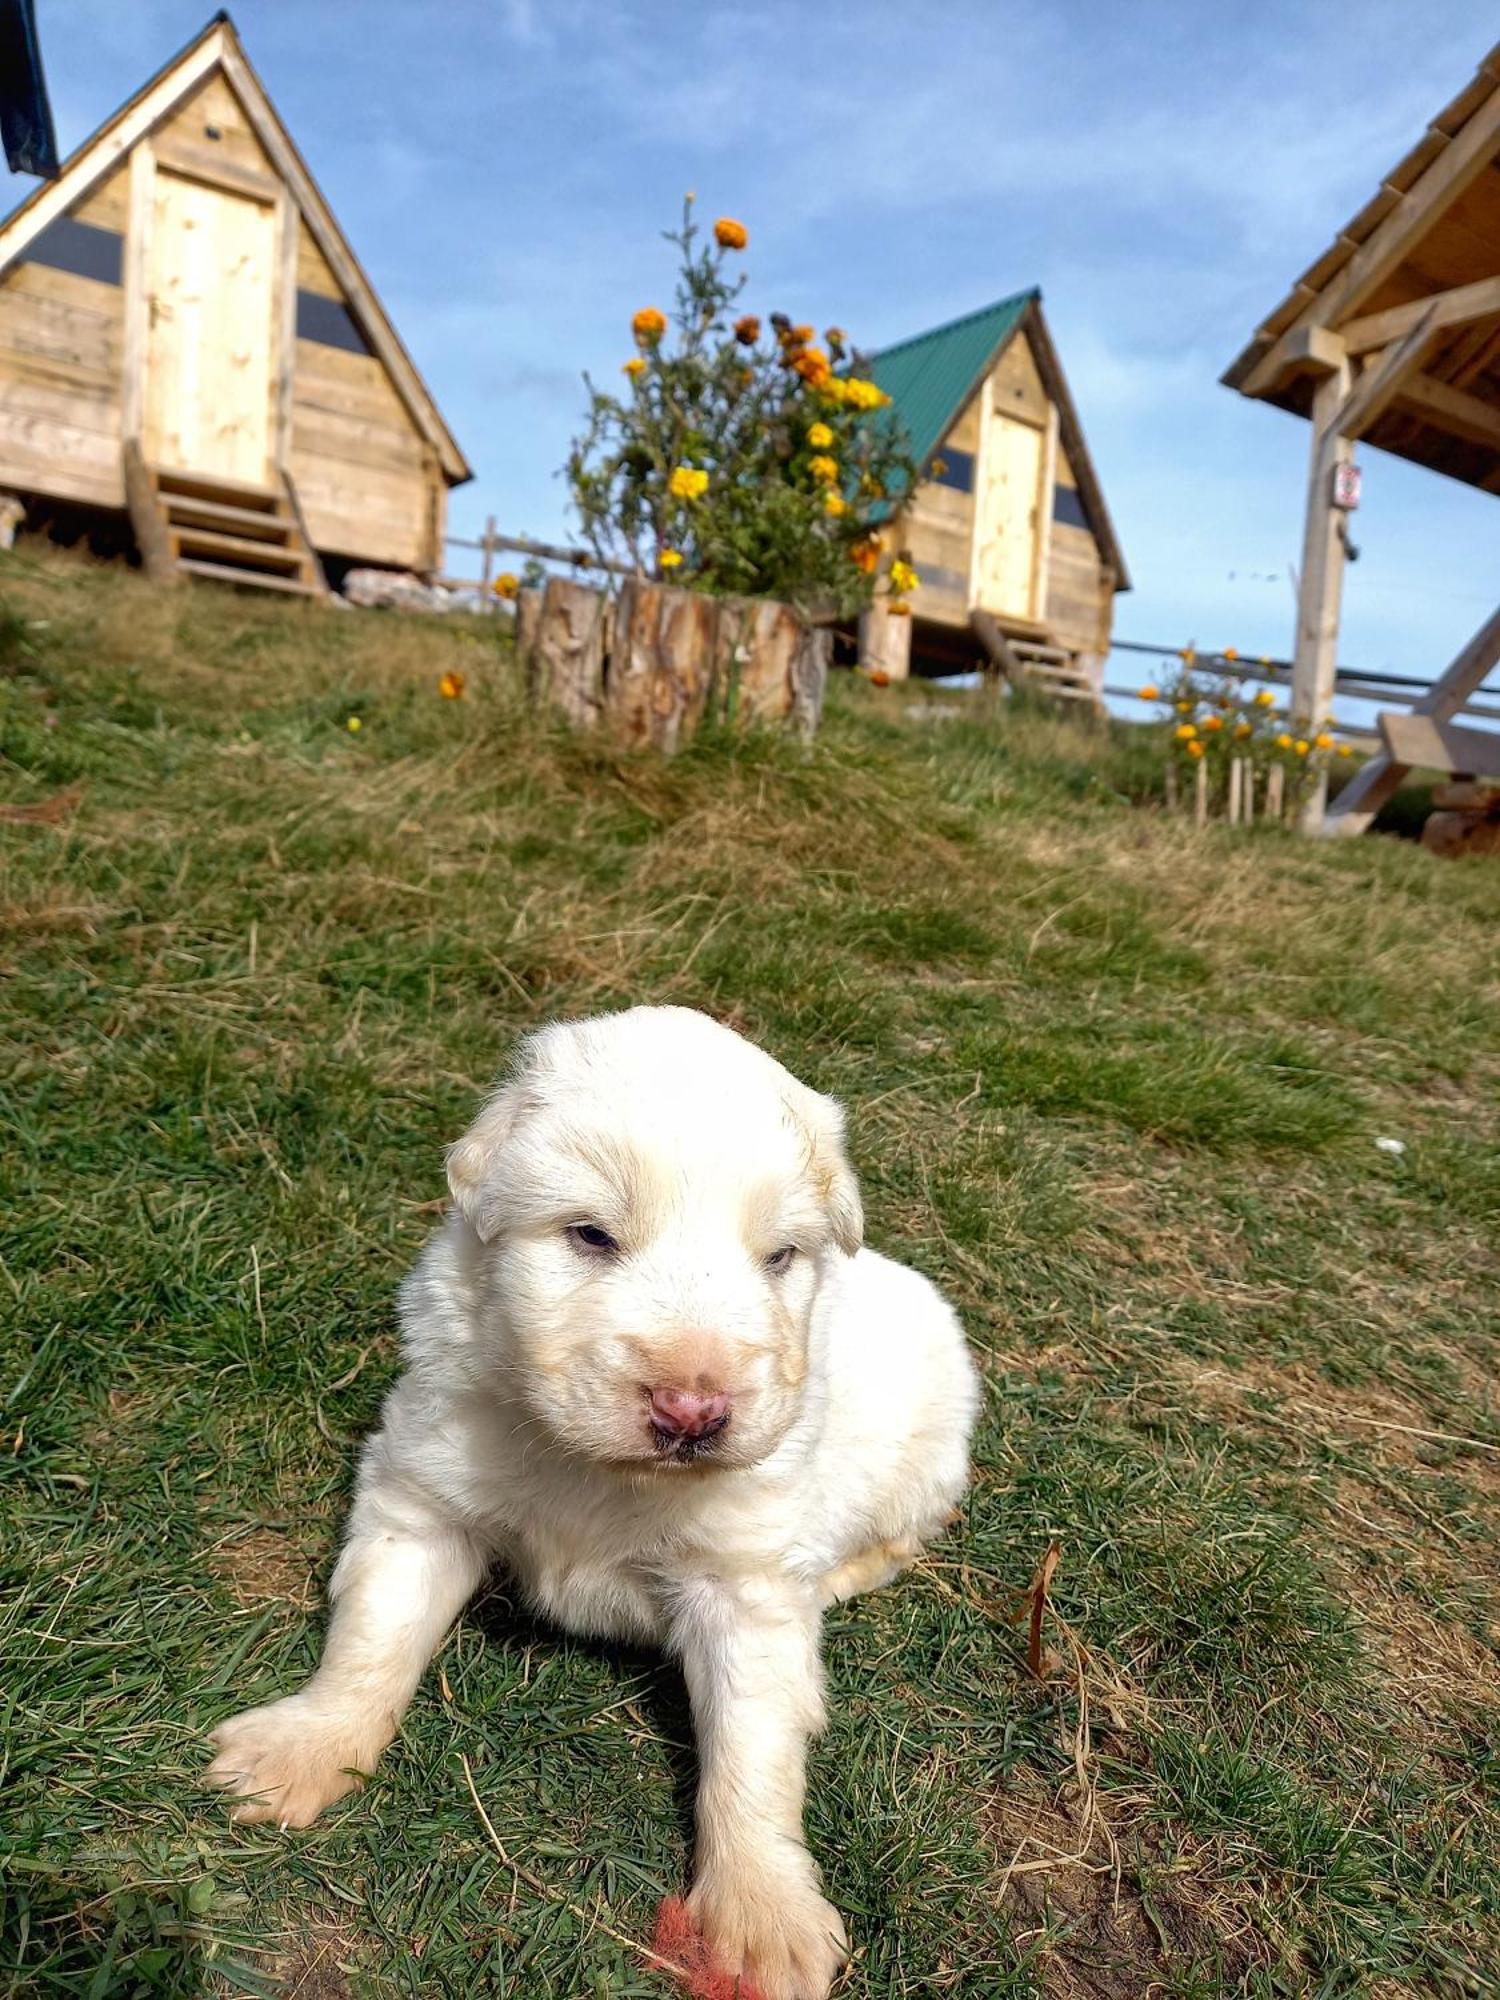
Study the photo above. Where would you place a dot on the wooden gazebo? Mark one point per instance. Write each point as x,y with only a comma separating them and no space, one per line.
1393,337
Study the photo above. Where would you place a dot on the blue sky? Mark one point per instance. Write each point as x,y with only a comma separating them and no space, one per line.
1163,170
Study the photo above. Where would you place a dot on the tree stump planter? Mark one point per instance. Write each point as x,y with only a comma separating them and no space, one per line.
651,666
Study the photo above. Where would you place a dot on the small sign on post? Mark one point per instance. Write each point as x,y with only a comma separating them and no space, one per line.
1346,485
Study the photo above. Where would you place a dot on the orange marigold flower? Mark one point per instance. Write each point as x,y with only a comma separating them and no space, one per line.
812,366
1322,741
1150,692
801,334
633,367
1213,722
1229,653
898,608
648,325
1185,732
836,337
1241,731
865,554
506,584
1195,749
747,330
729,234
451,686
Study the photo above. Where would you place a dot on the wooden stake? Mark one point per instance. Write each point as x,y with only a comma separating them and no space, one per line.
1171,786
1236,782
1247,794
1200,795
1275,792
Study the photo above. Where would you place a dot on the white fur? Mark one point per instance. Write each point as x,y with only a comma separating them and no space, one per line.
521,1433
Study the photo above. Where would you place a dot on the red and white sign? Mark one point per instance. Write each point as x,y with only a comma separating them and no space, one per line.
1346,483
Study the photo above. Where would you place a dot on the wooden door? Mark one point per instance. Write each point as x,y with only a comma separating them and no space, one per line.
210,355
1008,515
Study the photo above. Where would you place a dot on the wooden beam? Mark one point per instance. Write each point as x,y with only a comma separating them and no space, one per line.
1321,578
1381,382
1368,790
1421,742
1453,409
1458,307
1460,163
1316,347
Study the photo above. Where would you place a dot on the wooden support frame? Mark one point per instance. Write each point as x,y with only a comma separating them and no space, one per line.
1360,800
1320,581
1459,307
1382,381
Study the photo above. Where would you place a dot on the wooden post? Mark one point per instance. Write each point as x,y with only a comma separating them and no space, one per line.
1171,786
1247,792
1200,794
1320,584
660,665
1275,792
486,563
1236,784
528,615
564,663
884,642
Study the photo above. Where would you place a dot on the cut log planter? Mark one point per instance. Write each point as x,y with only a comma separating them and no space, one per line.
651,665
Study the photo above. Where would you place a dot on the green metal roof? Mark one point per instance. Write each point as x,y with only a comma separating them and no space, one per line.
930,377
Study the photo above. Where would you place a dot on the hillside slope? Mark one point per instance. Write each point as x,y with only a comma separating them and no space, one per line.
1114,1085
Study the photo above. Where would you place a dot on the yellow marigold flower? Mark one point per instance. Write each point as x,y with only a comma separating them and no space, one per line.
1346,750
898,607
1283,741
821,466
633,367
1185,732
1322,741
670,558
729,234
1150,692
506,584
1195,749
1213,722
1241,731
903,578
354,725
1265,699
863,395
1301,746
747,330
648,326
834,390
687,482
833,502
1185,707
819,436
451,686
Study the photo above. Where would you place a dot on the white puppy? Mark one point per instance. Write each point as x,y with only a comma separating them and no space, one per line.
649,1370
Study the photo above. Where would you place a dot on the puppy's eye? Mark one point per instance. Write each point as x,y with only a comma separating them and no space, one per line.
592,1240
780,1260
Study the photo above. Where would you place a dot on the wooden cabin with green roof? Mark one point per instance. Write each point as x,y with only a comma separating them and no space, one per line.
1008,528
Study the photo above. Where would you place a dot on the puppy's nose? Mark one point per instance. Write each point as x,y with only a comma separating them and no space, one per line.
687,1413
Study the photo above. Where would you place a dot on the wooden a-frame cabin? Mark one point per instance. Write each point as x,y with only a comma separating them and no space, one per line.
187,338
1393,337
1008,527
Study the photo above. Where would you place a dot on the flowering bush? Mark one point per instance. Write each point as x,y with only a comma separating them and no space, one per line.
738,462
1215,717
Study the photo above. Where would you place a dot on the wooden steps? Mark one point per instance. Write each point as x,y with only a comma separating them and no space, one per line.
196,524
1035,662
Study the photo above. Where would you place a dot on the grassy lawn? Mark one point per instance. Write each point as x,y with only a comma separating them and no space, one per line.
1115,1086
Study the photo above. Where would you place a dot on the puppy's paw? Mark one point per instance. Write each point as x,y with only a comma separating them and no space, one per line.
289,1760
770,1927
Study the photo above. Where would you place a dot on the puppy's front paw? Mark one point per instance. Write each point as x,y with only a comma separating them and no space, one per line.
772,1928
289,1760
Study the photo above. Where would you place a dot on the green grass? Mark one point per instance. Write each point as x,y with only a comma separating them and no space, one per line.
1116,1086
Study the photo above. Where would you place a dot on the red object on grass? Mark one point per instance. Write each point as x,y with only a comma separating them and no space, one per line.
690,1958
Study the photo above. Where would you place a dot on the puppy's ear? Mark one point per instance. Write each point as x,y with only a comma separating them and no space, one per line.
822,1119
475,1162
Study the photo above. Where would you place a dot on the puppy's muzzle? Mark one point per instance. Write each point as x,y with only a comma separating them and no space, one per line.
680,1416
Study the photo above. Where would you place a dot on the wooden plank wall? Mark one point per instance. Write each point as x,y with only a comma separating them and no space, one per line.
60,347
1080,590
939,531
367,482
